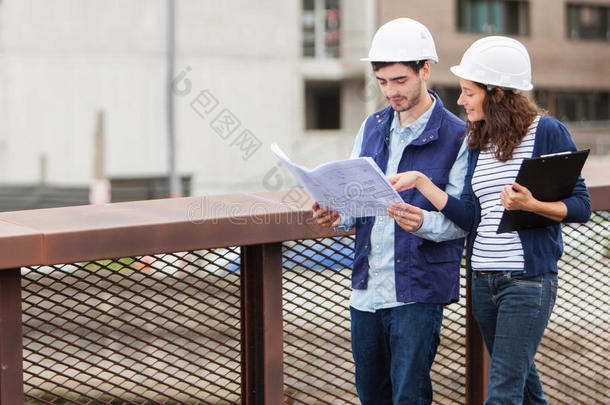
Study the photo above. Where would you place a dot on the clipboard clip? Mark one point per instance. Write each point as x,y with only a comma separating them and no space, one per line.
567,152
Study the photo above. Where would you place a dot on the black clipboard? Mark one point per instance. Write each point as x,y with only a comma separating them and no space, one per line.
549,178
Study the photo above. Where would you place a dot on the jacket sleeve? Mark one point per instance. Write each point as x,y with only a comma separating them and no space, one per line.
558,139
461,211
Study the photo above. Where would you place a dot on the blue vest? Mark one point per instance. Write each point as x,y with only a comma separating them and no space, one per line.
425,271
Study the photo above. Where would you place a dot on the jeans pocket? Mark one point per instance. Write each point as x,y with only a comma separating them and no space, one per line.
552,294
535,281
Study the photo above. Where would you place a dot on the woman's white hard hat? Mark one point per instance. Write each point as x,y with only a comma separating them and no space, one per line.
402,40
496,61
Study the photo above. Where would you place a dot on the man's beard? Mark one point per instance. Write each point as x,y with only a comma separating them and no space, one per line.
408,103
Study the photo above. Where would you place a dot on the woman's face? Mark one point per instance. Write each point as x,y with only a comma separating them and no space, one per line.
471,98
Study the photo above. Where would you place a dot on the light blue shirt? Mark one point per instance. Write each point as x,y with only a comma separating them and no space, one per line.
381,291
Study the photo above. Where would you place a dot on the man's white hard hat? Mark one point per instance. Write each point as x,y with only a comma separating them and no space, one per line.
402,40
496,61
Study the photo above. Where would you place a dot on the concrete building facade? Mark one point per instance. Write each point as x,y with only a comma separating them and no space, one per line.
568,41
243,80
247,74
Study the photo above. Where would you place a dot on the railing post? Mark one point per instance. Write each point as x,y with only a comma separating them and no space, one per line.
11,344
262,352
477,358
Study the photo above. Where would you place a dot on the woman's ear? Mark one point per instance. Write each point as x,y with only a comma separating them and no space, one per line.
498,94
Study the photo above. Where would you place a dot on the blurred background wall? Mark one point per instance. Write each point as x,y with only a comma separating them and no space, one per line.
246,74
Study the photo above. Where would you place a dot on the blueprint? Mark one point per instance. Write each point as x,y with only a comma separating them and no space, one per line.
354,187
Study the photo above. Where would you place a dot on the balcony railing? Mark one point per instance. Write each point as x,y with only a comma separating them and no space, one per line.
241,299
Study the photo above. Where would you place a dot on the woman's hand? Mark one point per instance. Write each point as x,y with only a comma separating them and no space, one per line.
404,181
516,197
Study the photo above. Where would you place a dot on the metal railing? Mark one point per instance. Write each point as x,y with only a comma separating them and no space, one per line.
241,299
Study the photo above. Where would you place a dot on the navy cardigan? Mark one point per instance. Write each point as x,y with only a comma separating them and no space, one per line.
542,247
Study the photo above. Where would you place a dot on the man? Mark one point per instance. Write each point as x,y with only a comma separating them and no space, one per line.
401,279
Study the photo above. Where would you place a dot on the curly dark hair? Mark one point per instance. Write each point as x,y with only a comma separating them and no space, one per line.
508,115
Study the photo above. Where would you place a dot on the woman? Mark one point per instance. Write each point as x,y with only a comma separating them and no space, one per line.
514,275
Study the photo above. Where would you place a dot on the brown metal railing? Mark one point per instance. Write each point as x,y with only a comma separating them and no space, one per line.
240,298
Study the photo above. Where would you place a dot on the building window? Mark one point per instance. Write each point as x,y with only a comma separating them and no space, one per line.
322,105
575,106
588,22
493,16
321,28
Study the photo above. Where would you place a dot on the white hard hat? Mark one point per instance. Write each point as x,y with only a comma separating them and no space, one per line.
497,61
402,40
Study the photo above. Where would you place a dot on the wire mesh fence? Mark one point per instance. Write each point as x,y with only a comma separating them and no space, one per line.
573,356
318,367
146,330
318,363
165,329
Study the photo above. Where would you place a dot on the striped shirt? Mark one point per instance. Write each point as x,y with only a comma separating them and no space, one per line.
492,251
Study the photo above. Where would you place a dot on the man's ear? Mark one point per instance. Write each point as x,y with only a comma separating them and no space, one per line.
424,72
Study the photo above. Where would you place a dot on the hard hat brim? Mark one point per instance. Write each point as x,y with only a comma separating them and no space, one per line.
429,59
460,72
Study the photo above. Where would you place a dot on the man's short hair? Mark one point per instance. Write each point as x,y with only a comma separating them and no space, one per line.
414,65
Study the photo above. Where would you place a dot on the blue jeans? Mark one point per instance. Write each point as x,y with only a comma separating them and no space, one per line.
393,350
512,311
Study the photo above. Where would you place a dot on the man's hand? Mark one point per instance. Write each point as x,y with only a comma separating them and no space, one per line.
409,217
325,217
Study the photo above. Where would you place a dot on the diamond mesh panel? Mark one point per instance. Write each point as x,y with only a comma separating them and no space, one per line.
572,359
449,367
318,364
165,329
158,329
573,356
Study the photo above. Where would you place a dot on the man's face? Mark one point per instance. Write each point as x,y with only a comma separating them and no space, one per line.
401,86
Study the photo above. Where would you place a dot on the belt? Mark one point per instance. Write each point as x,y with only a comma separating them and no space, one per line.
498,272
